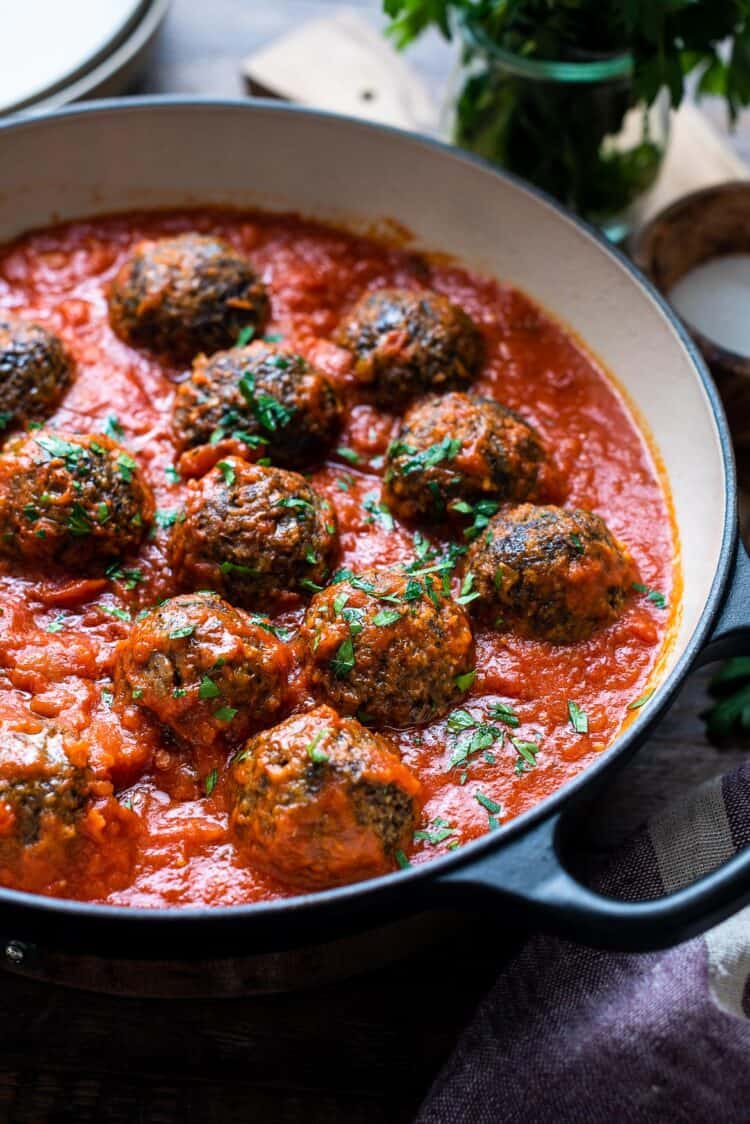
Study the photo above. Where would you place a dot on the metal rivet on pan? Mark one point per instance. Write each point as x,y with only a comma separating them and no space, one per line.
15,952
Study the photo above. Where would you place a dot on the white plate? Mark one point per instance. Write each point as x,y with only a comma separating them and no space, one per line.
47,45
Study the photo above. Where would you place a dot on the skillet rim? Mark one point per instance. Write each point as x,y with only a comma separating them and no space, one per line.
386,886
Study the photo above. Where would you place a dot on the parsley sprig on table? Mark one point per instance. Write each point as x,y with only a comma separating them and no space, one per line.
730,689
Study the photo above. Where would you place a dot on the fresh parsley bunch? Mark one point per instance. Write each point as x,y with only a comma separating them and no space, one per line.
559,135
730,689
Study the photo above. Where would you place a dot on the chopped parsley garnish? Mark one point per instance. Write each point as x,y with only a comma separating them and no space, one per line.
527,752
57,625
127,466
343,662
343,483
312,586
481,738
129,578
269,413
468,593
652,595
181,632
167,517
491,807
402,860
379,511
237,568
386,616
504,712
103,512
438,831
444,450
578,718
172,474
636,704
348,454
244,336
209,783
227,471
208,689
179,692
56,447
275,629
78,520
295,501
114,611
107,697
577,543
225,713
482,510
316,755
112,427
463,682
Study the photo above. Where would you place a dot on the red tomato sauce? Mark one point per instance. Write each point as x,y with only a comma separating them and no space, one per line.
154,838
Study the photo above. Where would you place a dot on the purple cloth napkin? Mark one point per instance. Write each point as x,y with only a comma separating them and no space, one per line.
574,1036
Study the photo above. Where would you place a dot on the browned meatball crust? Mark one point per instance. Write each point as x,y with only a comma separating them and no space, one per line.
254,533
43,793
206,670
458,450
406,343
70,499
319,801
183,295
35,370
258,394
549,573
389,648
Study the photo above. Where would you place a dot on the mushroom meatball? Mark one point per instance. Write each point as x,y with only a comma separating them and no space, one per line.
184,295
549,573
69,499
254,533
35,369
407,343
204,669
274,396
43,793
319,801
460,450
390,648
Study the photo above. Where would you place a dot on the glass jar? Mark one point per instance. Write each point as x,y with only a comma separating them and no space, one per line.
573,128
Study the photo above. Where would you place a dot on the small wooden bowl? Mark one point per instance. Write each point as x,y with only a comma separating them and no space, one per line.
703,225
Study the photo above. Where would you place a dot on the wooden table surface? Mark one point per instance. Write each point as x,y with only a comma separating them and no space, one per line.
361,1051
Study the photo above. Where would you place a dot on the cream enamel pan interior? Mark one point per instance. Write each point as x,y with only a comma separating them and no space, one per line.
165,153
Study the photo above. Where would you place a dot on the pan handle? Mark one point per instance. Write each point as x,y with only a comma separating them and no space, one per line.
731,632
530,874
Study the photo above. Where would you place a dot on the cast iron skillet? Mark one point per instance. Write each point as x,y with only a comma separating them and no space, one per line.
162,152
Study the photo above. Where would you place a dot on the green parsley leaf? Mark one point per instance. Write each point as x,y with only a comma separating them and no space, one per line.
112,427
437,832
209,783
636,704
344,660
56,625
227,471
208,689
504,712
348,454
386,617
402,860
464,682
316,755
172,474
244,336
652,595
181,632
225,713
578,718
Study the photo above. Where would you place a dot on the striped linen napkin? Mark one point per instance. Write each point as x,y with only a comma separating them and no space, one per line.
569,1035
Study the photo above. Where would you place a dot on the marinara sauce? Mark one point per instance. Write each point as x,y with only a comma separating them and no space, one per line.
157,835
